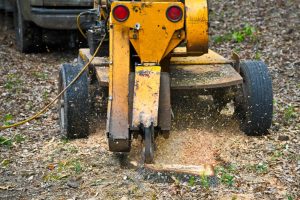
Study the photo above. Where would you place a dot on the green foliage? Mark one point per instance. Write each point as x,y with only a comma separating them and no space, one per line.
257,56
222,38
192,181
226,174
5,163
54,176
249,30
19,138
238,36
4,141
204,181
76,166
7,119
45,95
63,169
227,179
289,113
40,75
276,154
12,82
261,168
65,140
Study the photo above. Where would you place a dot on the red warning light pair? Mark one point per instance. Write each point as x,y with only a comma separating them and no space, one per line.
173,13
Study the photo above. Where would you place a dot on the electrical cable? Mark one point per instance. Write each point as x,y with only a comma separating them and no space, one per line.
59,95
78,21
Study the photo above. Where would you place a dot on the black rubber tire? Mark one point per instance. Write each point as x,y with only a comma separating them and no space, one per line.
28,35
254,105
149,144
74,105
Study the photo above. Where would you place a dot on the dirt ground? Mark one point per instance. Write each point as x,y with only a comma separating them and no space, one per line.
37,163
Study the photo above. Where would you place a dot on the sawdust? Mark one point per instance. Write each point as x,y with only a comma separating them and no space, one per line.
193,140
190,147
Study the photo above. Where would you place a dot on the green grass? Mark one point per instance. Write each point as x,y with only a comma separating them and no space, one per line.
289,113
261,168
13,81
45,95
238,36
5,163
204,181
64,140
76,166
192,181
276,155
227,178
40,75
247,32
63,169
257,55
19,138
4,141
7,119
226,174
9,141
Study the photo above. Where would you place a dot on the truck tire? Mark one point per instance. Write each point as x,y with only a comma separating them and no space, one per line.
74,103
254,104
28,35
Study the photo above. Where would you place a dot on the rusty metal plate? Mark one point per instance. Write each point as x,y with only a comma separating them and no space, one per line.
203,76
180,58
146,96
119,69
102,75
85,55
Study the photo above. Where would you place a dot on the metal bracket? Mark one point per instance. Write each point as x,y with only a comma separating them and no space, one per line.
236,61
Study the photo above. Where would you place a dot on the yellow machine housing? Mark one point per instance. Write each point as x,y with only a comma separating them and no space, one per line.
150,55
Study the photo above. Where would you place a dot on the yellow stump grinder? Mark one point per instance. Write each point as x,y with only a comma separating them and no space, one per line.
142,51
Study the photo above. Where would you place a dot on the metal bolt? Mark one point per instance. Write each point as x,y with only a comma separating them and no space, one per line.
137,26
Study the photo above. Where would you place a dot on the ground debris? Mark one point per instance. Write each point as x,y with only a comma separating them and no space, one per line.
36,162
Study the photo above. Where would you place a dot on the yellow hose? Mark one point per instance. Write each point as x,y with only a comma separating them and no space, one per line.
59,95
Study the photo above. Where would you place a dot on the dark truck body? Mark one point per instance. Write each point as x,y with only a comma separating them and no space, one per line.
40,22
6,5
50,14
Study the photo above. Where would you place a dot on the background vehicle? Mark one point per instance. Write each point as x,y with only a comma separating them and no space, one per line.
33,17
6,5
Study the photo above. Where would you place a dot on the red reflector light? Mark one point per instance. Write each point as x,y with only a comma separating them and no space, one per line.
121,13
174,13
